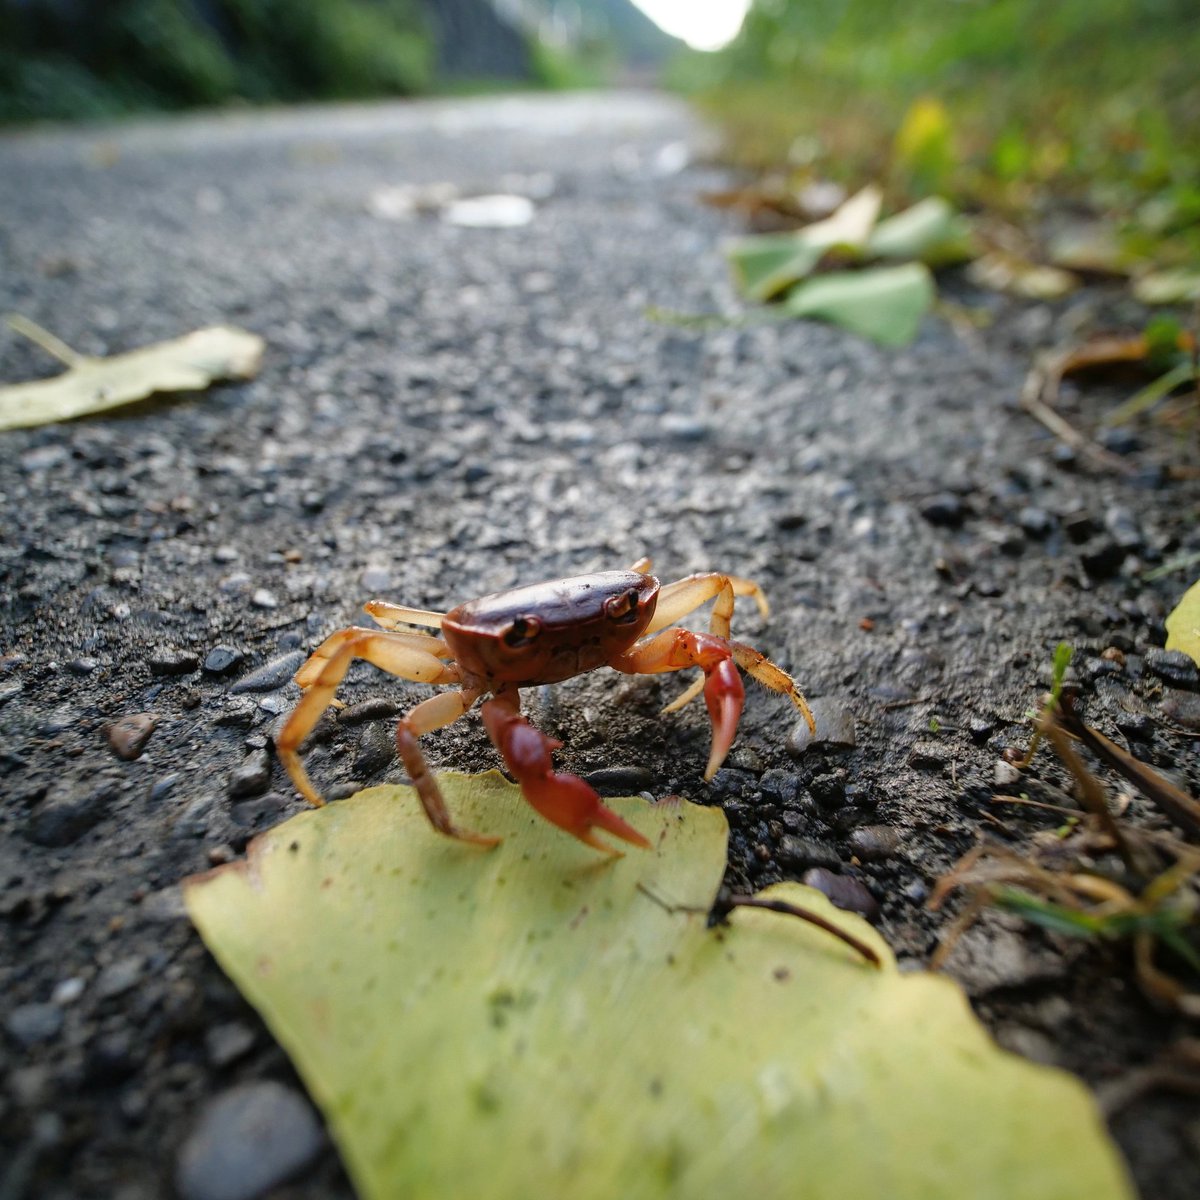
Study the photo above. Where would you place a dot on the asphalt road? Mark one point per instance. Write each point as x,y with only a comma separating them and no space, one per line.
444,411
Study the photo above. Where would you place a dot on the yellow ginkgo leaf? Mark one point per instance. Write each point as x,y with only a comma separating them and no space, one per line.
92,385
540,1020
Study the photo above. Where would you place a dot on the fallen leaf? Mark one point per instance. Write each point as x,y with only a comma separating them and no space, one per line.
1167,287
93,385
500,211
540,1020
1183,624
1000,271
767,265
931,231
885,304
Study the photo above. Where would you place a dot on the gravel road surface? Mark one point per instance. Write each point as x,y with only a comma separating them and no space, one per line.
444,411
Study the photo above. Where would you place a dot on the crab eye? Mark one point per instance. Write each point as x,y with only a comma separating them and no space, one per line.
522,631
623,608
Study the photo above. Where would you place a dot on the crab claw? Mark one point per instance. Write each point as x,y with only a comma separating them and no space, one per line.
564,800
724,696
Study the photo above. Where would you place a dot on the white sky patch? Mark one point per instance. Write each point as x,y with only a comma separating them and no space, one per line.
703,24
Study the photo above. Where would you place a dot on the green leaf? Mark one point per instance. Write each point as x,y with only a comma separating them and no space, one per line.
930,231
1183,624
885,304
92,385
765,266
541,1020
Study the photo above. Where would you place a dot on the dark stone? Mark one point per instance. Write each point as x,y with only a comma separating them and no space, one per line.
1102,558
828,791
220,660
168,661
119,977
377,709
28,1024
835,728
729,783
271,676
980,729
943,509
1135,725
252,778
1117,439
376,751
782,786
63,818
874,843
927,756
844,891
1123,528
247,1141
1173,667
1182,709
1036,522
798,852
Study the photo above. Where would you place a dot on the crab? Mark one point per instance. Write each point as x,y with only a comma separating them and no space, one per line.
541,633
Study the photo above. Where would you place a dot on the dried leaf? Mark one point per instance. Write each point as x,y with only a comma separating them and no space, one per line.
539,1020
92,385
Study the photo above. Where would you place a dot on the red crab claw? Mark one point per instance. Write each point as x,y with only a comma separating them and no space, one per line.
563,799
724,696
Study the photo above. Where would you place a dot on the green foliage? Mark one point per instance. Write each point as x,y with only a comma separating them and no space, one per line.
1033,93
72,61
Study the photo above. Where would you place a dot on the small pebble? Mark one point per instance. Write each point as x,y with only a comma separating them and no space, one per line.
829,791
83,666
129,735
169,661
376,580
782,786
943,509
67,991
1102,558
980,729
1036,522
376,751
1182,709
247,1141
835,728
228,1042
1005,774
844,891
220,660
729,783
376,709
63,818
272,675
796,852
118,978
1173,667
162,787
874,843
927,756
264,599
196,817
252,778
29,1024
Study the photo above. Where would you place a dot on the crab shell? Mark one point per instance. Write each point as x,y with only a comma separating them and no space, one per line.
547,632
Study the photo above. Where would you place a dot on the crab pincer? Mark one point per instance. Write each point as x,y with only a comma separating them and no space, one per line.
563,799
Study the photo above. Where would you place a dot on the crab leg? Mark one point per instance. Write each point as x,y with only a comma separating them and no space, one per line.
676,649
391,616
321,674
564,800
676,600
429,715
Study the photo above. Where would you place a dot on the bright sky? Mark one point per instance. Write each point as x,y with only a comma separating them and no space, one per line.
703,24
